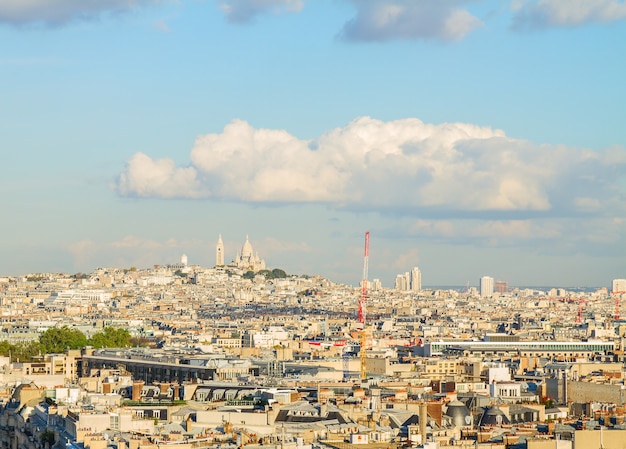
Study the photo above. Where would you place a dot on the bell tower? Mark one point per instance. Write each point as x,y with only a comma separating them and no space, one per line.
219,252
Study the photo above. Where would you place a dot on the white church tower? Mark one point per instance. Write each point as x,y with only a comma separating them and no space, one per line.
219,252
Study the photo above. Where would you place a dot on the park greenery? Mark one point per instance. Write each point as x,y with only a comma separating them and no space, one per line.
276,273
59,339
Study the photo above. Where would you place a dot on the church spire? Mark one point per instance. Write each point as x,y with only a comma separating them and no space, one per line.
219,252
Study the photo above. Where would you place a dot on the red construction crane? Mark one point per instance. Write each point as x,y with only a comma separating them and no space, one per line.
363,309
617,296
579,317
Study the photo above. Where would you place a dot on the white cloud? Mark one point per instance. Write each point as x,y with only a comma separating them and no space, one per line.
82,251
433,228
161,25
131,250
565,13
409,258
242,11
131,241
513,229
58,12
403,166
146,177
384,20
550,235
274,245
495,231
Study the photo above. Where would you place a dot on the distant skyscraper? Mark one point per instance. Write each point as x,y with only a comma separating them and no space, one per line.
486,286
219,252
183,260
402,283
619,285
416,280
502,287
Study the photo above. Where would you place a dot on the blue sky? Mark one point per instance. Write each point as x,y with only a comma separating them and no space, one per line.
470,138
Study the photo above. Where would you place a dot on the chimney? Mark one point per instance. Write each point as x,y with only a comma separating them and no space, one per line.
137,386
423,416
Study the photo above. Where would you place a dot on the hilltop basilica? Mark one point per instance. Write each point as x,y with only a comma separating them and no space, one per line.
246,259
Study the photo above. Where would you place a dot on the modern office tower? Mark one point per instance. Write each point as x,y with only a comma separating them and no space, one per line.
486,286
619,285
219,252
416,280
183,260
502,287
376,285
402,283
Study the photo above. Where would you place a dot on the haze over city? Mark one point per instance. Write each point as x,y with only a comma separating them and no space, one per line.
470,138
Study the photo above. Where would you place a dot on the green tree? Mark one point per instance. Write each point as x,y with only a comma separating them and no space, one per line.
25,351
5,348
111,337
277,273
248,275
58,339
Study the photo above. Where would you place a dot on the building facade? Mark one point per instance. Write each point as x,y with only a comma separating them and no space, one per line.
416,280
219,252
486,286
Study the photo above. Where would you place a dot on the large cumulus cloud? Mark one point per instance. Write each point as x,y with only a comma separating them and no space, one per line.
58,12
146,177
402,166
399,166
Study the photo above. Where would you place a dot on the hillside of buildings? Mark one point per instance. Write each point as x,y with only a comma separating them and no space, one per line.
193,357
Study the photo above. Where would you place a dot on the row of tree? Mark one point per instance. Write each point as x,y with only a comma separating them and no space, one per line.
276,273
57,339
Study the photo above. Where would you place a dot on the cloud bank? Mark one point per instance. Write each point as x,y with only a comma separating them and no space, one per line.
565,13
403,166
59,12
244,11
374,20
384,20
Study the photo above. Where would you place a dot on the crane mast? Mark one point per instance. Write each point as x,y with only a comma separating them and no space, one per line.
363,310
616,298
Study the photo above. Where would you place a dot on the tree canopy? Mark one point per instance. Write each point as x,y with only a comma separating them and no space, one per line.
276,273
23,351
58,339
111,337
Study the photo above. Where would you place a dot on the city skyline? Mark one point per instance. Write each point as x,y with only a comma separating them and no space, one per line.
468,137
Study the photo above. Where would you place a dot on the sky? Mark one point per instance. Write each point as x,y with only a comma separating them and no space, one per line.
469,137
